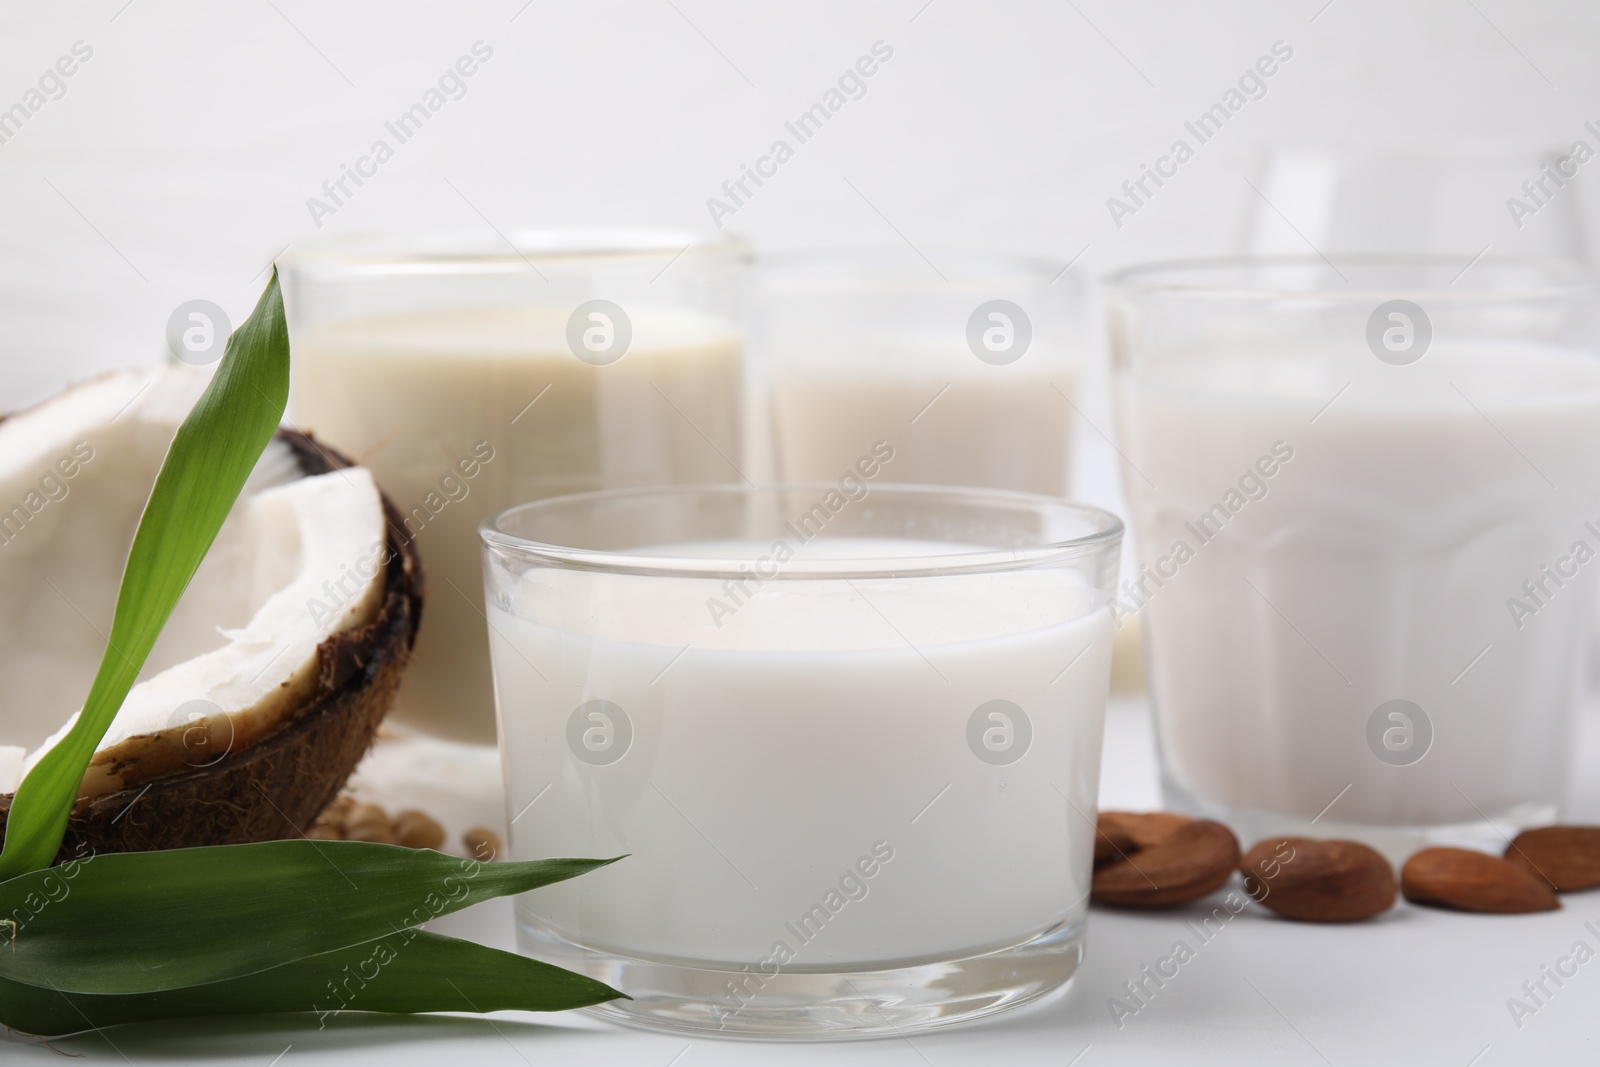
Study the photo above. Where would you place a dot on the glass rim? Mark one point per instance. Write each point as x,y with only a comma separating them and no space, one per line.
464,249
1471,153
1437,275
1107,531
843,264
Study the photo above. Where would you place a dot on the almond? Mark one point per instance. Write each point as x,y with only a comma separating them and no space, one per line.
1111,843
1473,881
1119,834
482,844
1567,857
414,829
378,833
1143,828
1318,881
1190,859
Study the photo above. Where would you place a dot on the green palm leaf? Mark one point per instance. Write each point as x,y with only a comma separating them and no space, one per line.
213,453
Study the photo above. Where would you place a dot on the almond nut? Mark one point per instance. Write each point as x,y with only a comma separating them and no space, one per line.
1318,881
1111,843
1143,828
1188,861
1568,857
1473,881
358,814
368,822
414,829
377,833
482,844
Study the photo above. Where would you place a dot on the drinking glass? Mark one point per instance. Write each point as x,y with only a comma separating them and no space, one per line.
846,734
1364,494
967,363
1395,203
470,373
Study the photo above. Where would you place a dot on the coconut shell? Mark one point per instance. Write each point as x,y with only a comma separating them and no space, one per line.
278,786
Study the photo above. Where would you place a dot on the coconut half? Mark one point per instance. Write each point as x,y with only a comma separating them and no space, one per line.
269,681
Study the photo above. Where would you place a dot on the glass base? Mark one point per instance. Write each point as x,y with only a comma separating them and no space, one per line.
711,1001
1397,843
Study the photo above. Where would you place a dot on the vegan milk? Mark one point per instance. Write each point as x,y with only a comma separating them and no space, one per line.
460,414
1324,533
804,771
1001,428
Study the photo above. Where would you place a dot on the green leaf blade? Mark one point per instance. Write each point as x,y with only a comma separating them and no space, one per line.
205,469
144,922
401,973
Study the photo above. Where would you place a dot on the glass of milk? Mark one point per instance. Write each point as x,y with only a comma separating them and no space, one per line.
1450,202
473,372
846,733
967,363
1367,499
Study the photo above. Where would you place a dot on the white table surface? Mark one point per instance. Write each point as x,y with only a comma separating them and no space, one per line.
1415,987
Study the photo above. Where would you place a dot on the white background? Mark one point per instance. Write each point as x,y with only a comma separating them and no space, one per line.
180,160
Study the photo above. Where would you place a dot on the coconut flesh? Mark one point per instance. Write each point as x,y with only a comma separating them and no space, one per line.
299,560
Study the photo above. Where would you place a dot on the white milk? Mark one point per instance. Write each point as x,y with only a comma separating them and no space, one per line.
1379,565
798,746
424,399
1000,428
